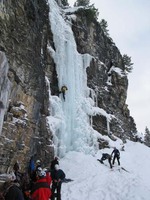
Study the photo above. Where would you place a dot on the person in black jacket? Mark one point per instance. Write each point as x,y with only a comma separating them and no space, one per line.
34,173
17,173
116,155
57,177
106,156
12,191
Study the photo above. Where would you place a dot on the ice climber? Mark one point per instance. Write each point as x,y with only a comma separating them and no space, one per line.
106,156
116,155
63,91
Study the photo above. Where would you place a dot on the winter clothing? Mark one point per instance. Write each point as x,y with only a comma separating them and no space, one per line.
48,178
31,166
116,155
41,190
63,91
17,173
34,173
57,177
12,191
106,156
26,186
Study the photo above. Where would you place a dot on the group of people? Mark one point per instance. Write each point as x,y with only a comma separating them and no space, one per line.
115,154
37,184
42,183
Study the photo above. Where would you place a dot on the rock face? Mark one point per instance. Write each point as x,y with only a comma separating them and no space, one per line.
24,31
24,34
108,79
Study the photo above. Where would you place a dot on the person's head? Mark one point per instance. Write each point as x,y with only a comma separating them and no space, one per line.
11,177
16,167
39,169
41,174
56,167
55,158
38,162
114,148
45,170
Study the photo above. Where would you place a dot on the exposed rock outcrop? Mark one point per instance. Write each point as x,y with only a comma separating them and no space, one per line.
108,79
24,32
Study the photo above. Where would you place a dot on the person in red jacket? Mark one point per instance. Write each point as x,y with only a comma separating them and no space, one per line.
48,176
41,189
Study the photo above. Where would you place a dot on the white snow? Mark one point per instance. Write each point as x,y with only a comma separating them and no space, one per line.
117,70
94,181
73,9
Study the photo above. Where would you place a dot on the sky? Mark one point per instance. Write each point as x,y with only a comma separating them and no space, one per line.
129,27
94,181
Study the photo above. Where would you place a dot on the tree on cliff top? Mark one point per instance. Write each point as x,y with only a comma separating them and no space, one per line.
128,63
104,26
82,3
90,11
147,137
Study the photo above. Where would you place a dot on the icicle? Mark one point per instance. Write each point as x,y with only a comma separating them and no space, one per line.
108,126
4,87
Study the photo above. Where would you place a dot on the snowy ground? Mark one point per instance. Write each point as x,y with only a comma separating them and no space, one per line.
94,181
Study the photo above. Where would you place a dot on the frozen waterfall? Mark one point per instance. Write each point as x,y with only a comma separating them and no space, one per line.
72,129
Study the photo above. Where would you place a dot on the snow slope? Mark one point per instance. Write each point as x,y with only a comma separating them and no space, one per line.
94,181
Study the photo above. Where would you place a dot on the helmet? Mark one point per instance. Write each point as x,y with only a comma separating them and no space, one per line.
41,173
45,170
57,167
38,162
11,177
39,169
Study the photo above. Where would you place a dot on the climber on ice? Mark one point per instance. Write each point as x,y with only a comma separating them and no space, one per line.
63,91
